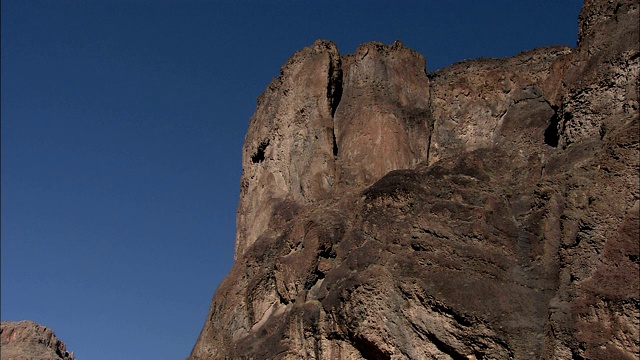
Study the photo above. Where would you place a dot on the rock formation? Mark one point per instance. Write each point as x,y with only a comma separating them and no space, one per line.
26,340
488,210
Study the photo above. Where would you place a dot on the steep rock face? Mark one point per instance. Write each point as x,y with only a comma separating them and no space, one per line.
599,314
330,122
488,210
380,123
477,103
288,153
601,77
26,340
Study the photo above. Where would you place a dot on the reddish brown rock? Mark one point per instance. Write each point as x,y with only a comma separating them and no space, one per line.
288,155
380,124
26,340
480,103
485,211
601,77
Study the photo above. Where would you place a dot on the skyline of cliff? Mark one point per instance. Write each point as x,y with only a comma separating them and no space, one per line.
121,144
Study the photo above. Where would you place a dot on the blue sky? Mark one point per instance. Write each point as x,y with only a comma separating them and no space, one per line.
122,128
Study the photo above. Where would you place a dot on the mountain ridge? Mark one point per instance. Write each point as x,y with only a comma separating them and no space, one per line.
22,340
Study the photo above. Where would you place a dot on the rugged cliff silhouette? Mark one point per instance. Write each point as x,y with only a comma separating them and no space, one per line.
488,210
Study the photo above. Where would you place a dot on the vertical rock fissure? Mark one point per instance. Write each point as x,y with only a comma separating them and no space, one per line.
334,86
551,133
431,123
428,145
334,95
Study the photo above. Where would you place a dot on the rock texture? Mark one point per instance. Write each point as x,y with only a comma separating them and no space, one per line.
485,211
26,340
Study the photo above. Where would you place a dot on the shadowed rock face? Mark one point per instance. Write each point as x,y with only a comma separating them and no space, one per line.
26,340
488,210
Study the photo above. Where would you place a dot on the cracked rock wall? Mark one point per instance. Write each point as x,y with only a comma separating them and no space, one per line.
485,211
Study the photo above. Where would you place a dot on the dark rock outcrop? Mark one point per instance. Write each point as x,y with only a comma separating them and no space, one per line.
26,340
485,211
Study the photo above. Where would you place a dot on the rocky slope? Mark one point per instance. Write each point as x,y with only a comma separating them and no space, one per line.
488,210
26,340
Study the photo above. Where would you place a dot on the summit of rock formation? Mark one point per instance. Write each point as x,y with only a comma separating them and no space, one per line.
27,340
488,210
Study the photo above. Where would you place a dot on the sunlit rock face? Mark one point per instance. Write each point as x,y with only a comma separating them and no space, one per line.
487,210
382,123
26,340
330,124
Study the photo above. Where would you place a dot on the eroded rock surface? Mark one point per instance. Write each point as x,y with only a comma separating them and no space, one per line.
485,211
26,340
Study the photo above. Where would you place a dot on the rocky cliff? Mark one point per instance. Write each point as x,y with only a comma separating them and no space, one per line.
487,210
26,340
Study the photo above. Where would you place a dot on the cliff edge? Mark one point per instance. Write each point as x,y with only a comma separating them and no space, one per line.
488,210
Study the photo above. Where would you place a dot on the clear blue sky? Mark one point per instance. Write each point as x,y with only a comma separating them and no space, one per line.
122,127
